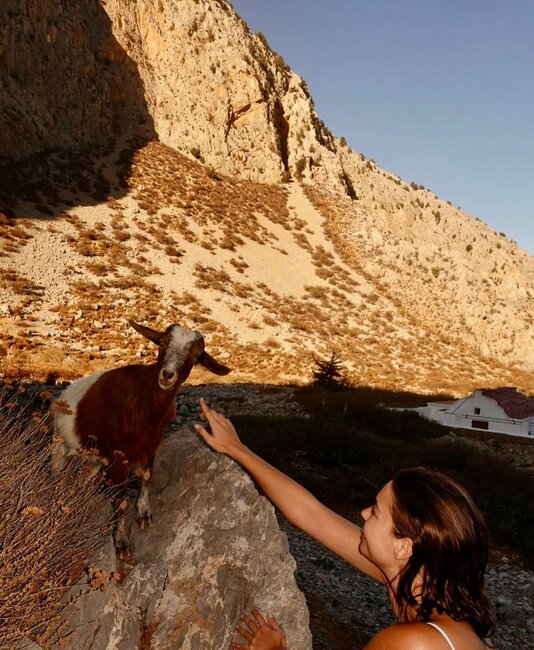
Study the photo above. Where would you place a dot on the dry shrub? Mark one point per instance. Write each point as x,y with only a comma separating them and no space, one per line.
49,528
270,321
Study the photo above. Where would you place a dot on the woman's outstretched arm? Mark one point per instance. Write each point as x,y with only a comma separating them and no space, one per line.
298,505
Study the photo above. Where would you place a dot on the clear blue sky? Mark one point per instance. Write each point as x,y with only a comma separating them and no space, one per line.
440,92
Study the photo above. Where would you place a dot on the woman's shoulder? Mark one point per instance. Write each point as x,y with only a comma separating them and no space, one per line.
416,636
420,636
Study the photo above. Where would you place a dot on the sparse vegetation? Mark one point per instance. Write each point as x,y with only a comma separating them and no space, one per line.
300,166
49,525
330,373
175,206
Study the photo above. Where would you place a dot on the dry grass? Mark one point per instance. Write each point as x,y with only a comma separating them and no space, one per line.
49,527
423,353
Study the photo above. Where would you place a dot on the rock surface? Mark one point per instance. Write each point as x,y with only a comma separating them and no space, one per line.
66,81
214,549
191,72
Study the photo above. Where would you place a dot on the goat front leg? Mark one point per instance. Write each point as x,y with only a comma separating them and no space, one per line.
58,454
121,538
118,476
144,516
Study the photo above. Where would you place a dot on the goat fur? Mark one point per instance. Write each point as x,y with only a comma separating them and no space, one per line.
123,414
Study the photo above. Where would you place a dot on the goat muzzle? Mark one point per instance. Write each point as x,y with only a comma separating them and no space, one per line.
167,379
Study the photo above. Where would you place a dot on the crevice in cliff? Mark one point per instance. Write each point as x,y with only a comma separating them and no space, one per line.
281,127
346,181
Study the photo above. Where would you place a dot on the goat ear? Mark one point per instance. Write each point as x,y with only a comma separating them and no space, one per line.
212,365
147,332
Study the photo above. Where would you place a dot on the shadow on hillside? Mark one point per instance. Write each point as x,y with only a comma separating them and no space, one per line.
344,445
71,119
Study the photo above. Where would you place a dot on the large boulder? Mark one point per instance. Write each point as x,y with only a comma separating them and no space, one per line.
214,549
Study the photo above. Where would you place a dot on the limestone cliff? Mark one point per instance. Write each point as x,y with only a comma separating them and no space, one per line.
216,89
66,82
77,74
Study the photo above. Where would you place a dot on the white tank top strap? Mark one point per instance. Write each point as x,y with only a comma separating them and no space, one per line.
445,635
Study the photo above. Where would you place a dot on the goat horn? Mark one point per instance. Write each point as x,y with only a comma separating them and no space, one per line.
147,332
212,365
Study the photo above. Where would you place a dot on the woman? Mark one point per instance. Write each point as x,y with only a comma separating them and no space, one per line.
423,538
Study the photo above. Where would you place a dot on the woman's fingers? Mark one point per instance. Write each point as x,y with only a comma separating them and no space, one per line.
210,439
205,434
249,622
259,617
206,411
209,415
274,624
218,422
244,633
223,437
212,416
259,631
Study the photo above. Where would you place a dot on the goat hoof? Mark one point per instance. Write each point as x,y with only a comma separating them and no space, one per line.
144,521
123,551
124,554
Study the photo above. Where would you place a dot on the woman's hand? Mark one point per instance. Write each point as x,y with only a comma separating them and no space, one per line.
223,437
260,634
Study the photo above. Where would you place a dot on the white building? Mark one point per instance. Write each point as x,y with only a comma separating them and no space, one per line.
498,410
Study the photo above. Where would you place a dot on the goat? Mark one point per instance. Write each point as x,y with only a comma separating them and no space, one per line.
123,413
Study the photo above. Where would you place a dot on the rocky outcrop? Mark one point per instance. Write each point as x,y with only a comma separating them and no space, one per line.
216,89
190,73
214,550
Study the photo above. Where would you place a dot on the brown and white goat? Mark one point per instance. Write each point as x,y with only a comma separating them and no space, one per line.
122,414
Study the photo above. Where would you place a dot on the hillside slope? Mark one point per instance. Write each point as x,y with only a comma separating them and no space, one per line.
257,268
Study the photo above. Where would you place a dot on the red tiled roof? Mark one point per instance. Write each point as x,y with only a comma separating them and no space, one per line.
515,404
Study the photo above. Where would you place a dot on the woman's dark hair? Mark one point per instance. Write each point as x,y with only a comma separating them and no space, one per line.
450,549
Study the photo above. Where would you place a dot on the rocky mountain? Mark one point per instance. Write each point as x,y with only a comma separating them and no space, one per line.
161,162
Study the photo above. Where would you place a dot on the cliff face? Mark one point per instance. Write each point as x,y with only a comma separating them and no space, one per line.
215,88
189,72
66,81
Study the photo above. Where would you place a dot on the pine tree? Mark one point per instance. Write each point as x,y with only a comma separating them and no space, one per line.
330,373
